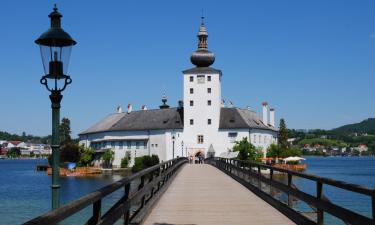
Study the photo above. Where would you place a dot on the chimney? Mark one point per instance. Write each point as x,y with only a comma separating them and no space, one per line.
265,113
119,109
272,117
130,108
144,107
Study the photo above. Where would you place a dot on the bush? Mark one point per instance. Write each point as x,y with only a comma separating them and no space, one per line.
107,157
86,156
124,162
247,151
69,153
14,153
143,162
276,151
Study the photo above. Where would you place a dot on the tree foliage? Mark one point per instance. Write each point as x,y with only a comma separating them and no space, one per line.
276,151
283,135
65,131
144,162
247,151
69,153
14,153
86,155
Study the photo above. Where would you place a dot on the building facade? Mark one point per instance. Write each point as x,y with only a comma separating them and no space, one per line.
201,122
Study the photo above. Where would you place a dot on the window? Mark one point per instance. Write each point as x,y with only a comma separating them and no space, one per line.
200,79
255,138
191,91
200,139
209,102
129,144
191,103
208,78
232,136
208,90
191,121
121,144
209,121
156,145
152,145
137,144
112,144
191,78
145,144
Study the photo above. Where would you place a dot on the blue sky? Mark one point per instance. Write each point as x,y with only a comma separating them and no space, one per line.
314,61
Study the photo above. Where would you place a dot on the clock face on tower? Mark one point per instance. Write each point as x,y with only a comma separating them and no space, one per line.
200,79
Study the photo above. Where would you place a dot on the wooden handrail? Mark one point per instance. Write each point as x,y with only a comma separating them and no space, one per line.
157,176
235,167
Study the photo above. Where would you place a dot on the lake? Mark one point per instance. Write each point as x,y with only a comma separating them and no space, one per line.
25,193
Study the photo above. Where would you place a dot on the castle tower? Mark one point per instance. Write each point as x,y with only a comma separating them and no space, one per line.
202,98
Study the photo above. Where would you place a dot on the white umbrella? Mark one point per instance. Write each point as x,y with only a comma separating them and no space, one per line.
293,158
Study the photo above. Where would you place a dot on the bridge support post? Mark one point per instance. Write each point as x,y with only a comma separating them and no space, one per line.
126,197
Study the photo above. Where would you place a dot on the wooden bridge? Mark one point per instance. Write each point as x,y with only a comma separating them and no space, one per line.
223,191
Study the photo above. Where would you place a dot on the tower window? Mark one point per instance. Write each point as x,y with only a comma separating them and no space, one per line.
209,102
200,139
191,78
208,90
209,121
208,78
191,91
191,122
191,103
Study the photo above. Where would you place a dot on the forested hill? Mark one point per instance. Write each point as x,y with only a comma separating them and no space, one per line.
366,126
26,138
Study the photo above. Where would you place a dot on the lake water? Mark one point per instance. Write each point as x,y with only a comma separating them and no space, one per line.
25,193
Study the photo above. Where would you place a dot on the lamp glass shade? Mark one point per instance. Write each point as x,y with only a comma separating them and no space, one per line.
55,59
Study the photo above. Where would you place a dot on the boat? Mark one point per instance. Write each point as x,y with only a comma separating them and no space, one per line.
3,157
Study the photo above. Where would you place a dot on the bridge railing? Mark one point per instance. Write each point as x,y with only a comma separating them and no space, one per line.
132,207
251,176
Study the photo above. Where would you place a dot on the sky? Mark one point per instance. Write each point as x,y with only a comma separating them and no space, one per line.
313,61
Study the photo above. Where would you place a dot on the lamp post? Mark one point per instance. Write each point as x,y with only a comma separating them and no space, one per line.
55,47
182,148
173,139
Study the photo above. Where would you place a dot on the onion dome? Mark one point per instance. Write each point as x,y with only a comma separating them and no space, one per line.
202,57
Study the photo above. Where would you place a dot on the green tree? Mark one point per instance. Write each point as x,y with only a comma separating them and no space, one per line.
107,157
14,153
86,155
69,153
283,135
274,151
143,162
247,151
65,131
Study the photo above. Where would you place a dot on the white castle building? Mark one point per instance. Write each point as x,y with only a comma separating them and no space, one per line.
201,124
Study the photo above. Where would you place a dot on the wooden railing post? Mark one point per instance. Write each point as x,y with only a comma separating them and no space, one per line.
290,202
96,213
373,205
140,187
126,197
319,195
259,175
271,179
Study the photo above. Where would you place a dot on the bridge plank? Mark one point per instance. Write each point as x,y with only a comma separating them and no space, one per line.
202,194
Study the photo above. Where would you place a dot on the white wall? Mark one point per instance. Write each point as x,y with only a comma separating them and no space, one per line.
200,112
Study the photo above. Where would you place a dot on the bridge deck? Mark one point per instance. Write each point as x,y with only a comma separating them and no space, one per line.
202,194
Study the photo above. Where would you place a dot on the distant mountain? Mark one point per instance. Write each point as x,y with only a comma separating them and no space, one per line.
366,126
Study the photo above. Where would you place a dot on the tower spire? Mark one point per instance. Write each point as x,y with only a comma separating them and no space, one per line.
202,57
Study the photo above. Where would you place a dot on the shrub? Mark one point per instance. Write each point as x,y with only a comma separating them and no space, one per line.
86,156
107,157
124,162
247,151
69,153
144,162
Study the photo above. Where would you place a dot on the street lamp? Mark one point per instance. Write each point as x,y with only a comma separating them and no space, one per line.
182,148
55,47
173,139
